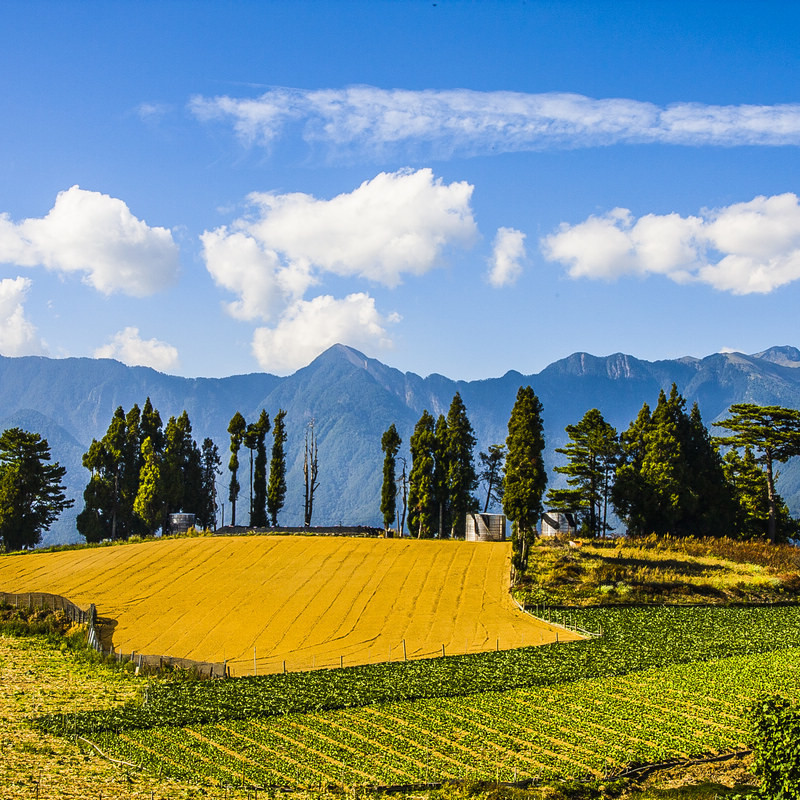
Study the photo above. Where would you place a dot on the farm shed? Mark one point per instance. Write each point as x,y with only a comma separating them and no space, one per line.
485,528
555,522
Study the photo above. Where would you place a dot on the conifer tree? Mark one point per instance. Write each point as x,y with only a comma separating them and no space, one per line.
210,462
276,490
31,494
422,505
236,428
591,463
441,491
258,518
524,478
462,479
491,474
149,501
773,432
390,444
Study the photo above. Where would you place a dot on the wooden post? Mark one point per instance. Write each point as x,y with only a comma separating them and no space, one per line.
341,661
255,668
442,649
405,657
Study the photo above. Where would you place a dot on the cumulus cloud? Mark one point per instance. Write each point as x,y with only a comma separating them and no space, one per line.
307,328
366,120
18,335
95,235
394,225
508,253
128,347
744,248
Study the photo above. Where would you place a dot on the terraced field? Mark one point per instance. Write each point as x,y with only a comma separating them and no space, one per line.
306,602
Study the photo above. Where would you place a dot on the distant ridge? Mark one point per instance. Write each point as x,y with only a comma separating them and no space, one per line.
353,398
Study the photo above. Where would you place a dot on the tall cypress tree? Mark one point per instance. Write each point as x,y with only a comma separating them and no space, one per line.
422,506
441,491
209,465
236,428
259,512
390,444
524,478
276,489
149,501
462,479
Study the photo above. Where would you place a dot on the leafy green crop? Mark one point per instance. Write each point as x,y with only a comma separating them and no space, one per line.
634,639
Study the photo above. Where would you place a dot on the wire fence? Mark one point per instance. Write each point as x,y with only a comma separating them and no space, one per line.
143,663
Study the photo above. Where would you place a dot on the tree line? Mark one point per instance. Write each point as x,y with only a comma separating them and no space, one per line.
665,474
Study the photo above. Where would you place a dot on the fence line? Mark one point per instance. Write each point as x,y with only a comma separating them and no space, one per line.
143,663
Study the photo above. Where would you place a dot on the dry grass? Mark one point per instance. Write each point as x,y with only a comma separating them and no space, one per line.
662,570
308,601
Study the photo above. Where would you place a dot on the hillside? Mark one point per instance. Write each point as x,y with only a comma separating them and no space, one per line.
306,601
353,399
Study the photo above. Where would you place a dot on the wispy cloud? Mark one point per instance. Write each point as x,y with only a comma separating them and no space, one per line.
505,265
95,235
744,248
370,121
128,347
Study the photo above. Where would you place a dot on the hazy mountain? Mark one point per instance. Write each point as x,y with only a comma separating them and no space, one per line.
353,399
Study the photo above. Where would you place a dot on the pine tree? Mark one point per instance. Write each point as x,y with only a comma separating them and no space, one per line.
524,478
591,463
31,494
390,444
491,474
771,431
149,501
670,479
276,490
422,506
310,472
462,479
258,517
210,462
441,491
236,428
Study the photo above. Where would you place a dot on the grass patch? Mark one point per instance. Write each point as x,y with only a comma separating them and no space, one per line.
660,570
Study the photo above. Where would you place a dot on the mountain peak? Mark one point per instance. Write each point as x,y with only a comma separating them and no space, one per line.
784,356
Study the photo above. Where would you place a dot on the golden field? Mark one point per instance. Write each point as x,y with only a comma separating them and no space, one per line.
307,601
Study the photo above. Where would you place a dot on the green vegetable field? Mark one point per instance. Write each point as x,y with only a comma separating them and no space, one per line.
661,683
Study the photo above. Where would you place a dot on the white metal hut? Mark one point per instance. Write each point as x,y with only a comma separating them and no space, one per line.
558,522
485,528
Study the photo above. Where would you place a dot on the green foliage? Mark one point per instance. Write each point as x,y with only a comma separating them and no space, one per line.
491,474
31,494
633,639
524,478
422,500
671,478
276,490
771,431
390,444
237,429
591,463
462,479
258,512
776,744
149,499
209,465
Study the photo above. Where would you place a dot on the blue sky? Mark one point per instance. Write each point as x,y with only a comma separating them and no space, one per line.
452,187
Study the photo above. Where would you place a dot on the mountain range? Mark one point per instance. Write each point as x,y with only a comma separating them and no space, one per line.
352,399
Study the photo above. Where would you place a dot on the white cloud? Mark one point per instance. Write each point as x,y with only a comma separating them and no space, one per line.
128,347
307,328
96,235
505,265
394,225
366,120
18,335
743,248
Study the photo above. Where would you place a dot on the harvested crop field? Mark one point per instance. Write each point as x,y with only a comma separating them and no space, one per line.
307,601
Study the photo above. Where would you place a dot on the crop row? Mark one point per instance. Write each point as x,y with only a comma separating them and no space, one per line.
589,727
633,639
